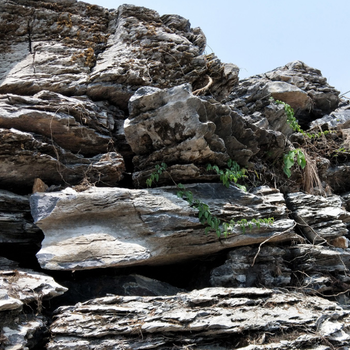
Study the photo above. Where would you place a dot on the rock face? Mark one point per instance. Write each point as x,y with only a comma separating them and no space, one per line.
208,318
93,102
297,84
20,287
121,227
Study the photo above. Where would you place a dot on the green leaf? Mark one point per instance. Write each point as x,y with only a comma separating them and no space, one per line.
287,172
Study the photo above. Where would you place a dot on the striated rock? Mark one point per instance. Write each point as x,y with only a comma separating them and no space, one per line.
24,286
250,267
26,157
55,44
320,219
175,127
75,48
207,318
19,238
76,124
167,125
22,333
297,84
19,287
322,270
340,118
104,227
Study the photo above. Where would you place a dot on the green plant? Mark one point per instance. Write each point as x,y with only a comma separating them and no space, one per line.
204,214
156,174
289,160
244,224
292,121
231,174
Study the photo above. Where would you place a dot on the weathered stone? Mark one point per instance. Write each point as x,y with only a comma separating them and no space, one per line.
78,125
321,270
19,238
26,157
55,45
297,84
320,219
75,48
340,118
208,318
104,227
23,331
175,127
20,329
251,266
166,125
25,286
288,93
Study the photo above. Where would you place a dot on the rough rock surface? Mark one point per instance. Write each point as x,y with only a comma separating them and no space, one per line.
329,275
320,219
297,84
251,266
19,237
20,287
27,158
104,227
175,127
90,96
76,49
208,318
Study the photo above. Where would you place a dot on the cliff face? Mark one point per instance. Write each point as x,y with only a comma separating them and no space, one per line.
93,104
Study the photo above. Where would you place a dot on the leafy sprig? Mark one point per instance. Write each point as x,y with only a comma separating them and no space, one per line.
156,174
289,160
231,174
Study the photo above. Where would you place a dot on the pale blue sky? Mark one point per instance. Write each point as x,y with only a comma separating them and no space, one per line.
260,35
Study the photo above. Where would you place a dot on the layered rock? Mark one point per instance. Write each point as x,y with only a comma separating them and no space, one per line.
322,270
20,287
212,317
89,95
19,237
75,48
104,227
27,157
320,219
253,266
297,84
178,128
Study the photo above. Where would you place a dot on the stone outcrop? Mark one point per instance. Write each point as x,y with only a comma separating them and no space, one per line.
175,127
208,318
75,49
19,237
91,102
27,158
251,266
297,84
19,329
320,219
105,227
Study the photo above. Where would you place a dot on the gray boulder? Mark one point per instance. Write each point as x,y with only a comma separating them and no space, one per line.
116,227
